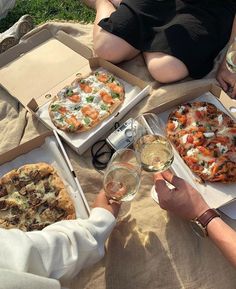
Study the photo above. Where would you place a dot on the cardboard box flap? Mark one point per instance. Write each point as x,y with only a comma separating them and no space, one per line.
43,55
24,148
227,102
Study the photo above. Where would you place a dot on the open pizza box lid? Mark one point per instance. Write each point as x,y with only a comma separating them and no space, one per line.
35,71
49,149
217,195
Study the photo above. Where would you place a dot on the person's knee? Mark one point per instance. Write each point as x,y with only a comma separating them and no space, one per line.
105,49
167,69
113,48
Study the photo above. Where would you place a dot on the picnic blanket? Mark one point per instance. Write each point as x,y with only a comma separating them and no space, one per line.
150,248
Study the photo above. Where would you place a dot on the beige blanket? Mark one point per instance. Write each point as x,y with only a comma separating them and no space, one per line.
150,249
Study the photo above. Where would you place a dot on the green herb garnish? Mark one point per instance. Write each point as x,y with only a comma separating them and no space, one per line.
71,127
115,95
87,120
111,79
61,119
55,107
90,98
69,92
104,107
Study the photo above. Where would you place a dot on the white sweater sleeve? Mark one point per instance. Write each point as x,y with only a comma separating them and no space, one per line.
59,251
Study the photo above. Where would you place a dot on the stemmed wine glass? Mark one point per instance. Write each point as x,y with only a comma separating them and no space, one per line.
153,148
122,177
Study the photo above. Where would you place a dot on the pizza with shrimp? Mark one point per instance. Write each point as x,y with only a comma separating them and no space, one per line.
86,102
205,138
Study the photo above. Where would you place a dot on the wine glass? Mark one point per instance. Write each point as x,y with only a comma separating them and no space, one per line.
122,177
231,57
153,148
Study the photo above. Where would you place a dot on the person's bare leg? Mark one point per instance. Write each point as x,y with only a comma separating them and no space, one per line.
165,68
107,45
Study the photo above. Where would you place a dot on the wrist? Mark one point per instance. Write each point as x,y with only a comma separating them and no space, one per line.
212,223
201,210
201,223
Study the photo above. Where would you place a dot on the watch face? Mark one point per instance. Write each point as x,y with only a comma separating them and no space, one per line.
198,229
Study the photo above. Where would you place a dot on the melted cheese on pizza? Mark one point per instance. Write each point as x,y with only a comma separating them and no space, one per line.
205,137
86,101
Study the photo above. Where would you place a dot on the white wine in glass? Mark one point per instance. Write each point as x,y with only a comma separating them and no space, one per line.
155,152
154,149
122,176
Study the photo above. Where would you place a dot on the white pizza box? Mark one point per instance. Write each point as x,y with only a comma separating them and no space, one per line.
35,71
49,149
217,195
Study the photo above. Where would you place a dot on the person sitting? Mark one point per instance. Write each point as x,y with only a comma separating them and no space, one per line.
178,38
185,202
39,259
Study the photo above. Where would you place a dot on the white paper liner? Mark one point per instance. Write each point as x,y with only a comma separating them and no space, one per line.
215,194
49,153
133,94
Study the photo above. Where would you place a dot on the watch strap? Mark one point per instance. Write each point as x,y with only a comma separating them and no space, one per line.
207,216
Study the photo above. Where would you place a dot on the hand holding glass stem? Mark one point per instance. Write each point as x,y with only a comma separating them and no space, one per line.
122,176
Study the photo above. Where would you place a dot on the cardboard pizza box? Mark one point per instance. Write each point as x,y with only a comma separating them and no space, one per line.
35,71
49,149
217,195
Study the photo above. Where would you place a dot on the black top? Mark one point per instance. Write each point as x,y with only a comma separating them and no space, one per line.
194,31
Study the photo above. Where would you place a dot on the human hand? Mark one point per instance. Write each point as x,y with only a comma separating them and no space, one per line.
102,201
227,80
183,201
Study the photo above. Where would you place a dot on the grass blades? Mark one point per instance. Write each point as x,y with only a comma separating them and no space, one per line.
44,10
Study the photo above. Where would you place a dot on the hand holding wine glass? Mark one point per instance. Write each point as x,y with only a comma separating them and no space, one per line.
122,176
153,147
226,74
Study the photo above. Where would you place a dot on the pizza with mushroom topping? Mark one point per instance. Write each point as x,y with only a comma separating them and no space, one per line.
205,138
33,197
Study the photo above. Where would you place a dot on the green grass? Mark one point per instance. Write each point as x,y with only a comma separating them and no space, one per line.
44,10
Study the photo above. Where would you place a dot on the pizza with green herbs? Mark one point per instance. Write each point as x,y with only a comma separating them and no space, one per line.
205,138
86,102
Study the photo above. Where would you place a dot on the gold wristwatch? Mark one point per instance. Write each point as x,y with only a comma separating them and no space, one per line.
199,224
